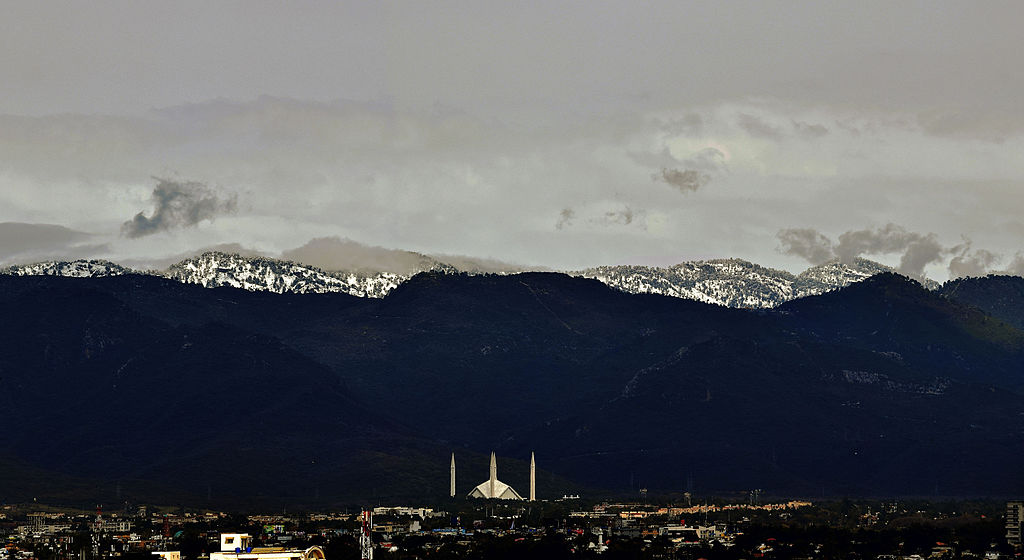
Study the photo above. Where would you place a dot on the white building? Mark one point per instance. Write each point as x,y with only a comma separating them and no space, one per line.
238,546
492,488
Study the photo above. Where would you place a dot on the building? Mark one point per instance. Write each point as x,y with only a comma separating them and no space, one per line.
1014,518
238,546
492,488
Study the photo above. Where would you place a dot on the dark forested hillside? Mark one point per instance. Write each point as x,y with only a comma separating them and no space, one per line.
226,396
999,296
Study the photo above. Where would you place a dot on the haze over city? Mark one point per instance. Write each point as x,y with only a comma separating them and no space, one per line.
557,135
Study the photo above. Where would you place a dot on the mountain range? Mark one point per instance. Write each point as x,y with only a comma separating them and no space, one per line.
727,282
736,282
141,387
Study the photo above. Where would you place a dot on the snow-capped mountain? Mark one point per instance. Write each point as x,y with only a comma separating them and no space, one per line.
727,282
215,269
735,282
834,274
78,269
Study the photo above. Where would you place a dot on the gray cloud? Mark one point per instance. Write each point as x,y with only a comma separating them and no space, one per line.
162,263
710,160
604,218
1016,267
691,124
22,243
916,250
686,180
971,123
918,254
696,172
406,178
889,238
179,204
565,218
854,61
966,262
621,217
807,243
808,130
17,238
482,265
758,128
335,253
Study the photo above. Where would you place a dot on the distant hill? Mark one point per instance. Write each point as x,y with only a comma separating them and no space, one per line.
214,269
161,388
999,296
84,268
735,282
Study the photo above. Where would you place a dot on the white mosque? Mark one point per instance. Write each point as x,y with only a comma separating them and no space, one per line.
494,488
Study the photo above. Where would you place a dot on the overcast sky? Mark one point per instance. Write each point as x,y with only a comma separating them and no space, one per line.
561,134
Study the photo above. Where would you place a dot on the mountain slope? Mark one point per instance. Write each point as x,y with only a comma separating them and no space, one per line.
75,269
93,387
999,296
734,282
214,269
835,274
881,387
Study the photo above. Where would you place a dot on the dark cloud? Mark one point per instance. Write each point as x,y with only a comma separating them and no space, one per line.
757,127
565,218
807,243
179,204
685,180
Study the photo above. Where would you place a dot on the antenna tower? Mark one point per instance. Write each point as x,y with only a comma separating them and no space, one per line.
365,540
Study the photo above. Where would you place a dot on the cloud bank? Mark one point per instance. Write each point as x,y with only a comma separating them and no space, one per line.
552,193
22,243
915,250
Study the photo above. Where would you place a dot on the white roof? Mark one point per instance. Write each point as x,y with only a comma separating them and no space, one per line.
502,491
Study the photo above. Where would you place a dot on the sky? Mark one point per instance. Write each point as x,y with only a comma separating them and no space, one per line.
554,134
